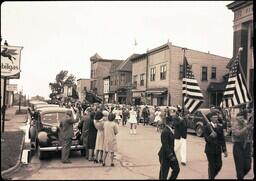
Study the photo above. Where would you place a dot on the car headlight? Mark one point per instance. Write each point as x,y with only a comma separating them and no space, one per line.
54,129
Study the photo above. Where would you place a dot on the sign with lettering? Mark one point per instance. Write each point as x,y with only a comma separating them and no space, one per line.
10,60
11,87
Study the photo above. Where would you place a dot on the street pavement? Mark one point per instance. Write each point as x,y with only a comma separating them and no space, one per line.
136,159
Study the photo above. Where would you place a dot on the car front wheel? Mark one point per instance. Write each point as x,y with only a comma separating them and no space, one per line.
199,130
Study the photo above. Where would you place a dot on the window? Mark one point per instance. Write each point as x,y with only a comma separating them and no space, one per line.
204,73
142,79
122,79
213,73
152,74
162,72
181,72
116,80
135,81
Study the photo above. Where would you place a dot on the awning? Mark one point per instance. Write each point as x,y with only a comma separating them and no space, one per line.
137,94
157,91
217,86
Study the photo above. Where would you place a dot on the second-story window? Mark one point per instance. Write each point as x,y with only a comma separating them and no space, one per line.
162,72
142,79
111,80
122,79
181,72
204,73
135,81
152,74
213,73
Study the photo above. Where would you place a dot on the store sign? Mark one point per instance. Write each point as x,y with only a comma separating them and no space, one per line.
11,87
10,60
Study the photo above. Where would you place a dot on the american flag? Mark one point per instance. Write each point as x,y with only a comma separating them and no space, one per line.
192,95
236,92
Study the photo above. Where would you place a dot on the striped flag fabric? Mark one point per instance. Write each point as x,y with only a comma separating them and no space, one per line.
192,94
236,92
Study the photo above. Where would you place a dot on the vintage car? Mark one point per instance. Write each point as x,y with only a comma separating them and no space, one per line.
32,104
46,132
45,105
196,122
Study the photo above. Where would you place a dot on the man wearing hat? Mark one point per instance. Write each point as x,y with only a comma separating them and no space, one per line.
215,145
66,132
242,135
167,156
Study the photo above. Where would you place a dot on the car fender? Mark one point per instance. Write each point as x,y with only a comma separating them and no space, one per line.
199,123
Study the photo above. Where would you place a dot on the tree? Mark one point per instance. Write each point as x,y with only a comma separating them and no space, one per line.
62,79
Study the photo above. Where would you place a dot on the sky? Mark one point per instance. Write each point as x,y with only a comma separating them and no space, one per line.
64,35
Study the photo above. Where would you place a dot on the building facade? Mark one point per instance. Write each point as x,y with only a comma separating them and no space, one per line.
243,37
106,89
100,68
121,82
82,85
157,74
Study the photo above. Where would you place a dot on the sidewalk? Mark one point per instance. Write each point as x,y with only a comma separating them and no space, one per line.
13,137
13,122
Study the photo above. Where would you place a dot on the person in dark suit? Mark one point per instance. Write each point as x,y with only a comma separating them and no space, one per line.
145,115
66,131
92,134
84,128
167,157
215,145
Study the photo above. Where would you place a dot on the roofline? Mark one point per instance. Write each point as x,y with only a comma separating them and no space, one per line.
169,45
238,4
104,60
201,52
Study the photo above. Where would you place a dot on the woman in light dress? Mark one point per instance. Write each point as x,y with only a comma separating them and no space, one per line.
98,123
118,112
158,118
132,120
110,143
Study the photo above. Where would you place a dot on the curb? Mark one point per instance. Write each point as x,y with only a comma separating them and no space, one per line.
18,163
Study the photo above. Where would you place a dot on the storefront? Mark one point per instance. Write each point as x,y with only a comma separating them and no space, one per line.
158,96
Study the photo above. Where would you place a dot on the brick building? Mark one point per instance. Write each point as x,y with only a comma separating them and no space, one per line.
121,82
157,74
99,69
243,37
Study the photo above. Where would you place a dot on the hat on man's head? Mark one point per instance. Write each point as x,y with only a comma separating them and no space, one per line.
211,114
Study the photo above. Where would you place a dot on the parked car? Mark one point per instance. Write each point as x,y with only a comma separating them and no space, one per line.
46,132
32,104
45,105
197,120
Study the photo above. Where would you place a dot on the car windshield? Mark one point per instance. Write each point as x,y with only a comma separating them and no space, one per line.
53,118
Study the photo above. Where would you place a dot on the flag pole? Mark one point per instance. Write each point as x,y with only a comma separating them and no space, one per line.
184,76
242,72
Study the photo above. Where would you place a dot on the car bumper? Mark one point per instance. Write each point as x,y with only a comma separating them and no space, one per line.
56,148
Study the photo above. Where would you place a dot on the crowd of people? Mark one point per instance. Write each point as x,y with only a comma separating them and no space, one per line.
99,126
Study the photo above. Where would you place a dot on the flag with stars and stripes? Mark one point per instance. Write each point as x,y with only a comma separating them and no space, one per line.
236,92
192,95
